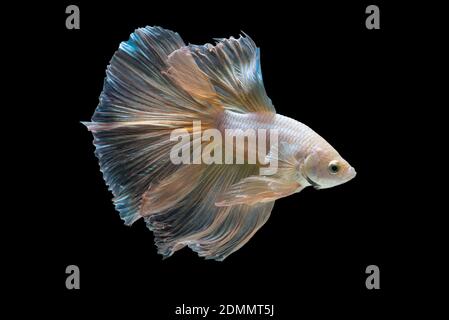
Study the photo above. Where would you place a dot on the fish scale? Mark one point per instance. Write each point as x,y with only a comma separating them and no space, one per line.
290,130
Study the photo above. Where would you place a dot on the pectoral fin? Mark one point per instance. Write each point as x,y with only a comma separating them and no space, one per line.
257,189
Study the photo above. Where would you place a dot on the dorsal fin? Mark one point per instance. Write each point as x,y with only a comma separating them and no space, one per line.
233,69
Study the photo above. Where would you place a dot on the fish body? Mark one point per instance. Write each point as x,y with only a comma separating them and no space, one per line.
169,130
302,142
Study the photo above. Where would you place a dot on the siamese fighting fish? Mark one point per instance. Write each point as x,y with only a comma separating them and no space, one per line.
165,102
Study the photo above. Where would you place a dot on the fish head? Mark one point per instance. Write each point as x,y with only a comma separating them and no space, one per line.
325,168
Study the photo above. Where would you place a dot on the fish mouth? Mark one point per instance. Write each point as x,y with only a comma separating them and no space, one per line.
352,173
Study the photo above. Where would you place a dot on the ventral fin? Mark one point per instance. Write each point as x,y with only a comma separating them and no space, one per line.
257,189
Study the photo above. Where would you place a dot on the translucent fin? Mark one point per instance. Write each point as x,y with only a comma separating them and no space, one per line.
257,189
239,225
139,107
130,158
213,232
265,188
170,191
284,155
233,68
185,72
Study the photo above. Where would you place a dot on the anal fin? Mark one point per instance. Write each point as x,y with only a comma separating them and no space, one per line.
169,192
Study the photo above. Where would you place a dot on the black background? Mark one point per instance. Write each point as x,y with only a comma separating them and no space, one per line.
321,66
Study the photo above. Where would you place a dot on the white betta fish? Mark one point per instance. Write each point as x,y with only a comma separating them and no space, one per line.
156,86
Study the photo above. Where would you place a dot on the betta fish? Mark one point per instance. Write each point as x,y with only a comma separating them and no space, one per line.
156,84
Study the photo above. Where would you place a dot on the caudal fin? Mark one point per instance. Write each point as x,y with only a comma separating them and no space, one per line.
139,107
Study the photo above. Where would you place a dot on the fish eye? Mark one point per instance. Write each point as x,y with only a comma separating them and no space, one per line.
333,167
